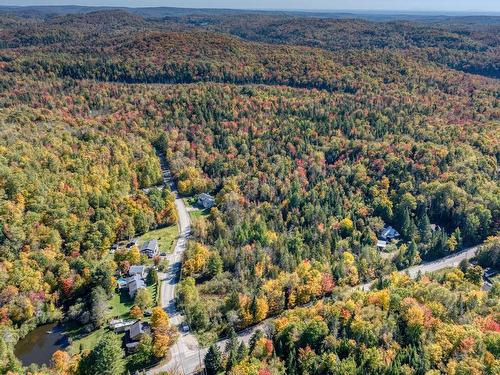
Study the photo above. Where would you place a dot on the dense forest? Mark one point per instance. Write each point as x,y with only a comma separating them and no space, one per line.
312,134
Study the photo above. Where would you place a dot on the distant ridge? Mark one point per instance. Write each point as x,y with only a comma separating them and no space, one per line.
160,12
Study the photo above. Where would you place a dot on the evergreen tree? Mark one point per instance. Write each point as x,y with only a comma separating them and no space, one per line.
232,350
214,265
407,225
152,277
99,307
424,228
412,253
213,360
255,338
105,359
242,352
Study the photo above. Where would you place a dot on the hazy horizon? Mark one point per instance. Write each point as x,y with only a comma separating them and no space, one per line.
459,6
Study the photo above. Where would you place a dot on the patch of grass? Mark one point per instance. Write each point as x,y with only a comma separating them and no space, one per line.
195,214
495,279
120,305
207,338
82,343
166,238
190,201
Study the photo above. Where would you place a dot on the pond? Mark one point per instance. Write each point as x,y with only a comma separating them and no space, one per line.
39,345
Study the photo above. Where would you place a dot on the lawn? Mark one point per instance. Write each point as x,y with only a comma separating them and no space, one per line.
120,305
166,238
195,214
190,201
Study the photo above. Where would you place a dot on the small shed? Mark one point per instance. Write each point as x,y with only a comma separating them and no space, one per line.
381,244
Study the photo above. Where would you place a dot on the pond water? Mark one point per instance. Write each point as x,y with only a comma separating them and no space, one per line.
39,345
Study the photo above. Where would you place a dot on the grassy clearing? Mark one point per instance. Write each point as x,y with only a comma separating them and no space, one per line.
190,201
195,214
166,238
120,305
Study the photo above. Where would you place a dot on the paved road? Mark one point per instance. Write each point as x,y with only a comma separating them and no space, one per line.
436,265
187,345
449,261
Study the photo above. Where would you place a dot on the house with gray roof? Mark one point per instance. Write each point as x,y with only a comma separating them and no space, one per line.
137,270
205,201
150,248
389,234
138,330
134,284
381,245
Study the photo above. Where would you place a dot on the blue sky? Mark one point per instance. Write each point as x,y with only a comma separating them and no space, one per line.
393,5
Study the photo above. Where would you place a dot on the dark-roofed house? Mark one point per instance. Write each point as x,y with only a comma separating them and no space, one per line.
138,330
134,334
133,242
389,233
150,248
206,201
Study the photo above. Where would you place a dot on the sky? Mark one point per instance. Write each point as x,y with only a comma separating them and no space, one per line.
373,5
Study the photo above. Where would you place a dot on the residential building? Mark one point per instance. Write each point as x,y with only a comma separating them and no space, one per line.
150,248
206,201
120,325
389,234
133,242
137,270
138,330
134,284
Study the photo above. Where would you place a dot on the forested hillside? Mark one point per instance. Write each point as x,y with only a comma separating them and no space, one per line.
312,135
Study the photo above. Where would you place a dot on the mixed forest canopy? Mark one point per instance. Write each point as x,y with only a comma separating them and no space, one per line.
312,133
